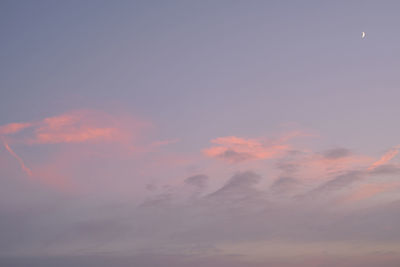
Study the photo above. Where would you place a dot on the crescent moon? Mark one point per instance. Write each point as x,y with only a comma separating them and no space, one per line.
363,35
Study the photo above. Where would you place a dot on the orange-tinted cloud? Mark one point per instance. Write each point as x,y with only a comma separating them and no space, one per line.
385,158
235,149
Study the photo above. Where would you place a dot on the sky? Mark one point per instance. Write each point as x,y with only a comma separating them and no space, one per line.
199,133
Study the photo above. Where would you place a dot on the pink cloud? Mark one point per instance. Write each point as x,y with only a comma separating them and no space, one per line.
385,158
12,128
235,149
105,134
77,127
74,135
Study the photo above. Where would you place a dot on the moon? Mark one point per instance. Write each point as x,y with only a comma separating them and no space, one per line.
363,35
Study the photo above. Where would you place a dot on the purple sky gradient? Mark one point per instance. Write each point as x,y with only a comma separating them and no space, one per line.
199,133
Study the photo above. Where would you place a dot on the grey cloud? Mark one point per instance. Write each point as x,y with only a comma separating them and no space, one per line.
336,153
151,187
287,167
284,184
289,164
158,200
339,182
240,183
236,157
199,181
387,169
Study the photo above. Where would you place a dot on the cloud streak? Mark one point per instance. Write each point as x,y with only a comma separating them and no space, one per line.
27,170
